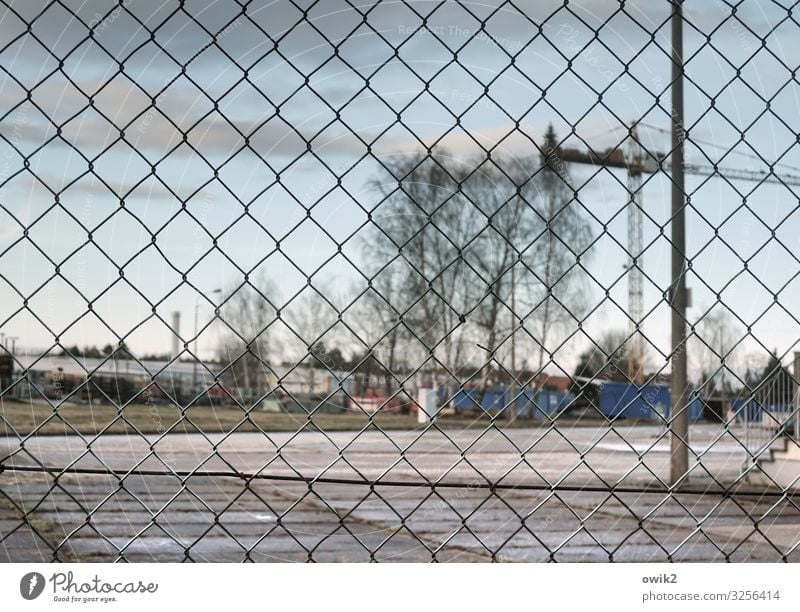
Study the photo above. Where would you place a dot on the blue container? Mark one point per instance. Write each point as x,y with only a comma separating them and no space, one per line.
748,409
651,402
564,399
542,404
466,399
546,404
494,400
551,402
696,407
524,404
629,401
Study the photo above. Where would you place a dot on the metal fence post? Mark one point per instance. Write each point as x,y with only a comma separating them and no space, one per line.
796,397
679,418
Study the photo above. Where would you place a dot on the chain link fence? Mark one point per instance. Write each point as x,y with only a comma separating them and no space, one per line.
415,281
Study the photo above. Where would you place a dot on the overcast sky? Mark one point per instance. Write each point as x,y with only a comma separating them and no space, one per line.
287,94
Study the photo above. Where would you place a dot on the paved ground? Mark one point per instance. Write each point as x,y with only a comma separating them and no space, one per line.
203,518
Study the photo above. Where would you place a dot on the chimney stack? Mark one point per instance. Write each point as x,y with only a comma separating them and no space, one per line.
176,326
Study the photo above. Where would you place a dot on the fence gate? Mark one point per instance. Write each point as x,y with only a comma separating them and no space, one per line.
399,281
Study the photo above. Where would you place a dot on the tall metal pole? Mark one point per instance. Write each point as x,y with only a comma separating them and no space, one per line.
679,414
194,361
513,325
513,386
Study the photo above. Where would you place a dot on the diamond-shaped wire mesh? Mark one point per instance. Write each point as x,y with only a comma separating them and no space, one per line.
374,281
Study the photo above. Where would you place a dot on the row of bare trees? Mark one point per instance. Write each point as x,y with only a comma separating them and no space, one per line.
467,263
471,259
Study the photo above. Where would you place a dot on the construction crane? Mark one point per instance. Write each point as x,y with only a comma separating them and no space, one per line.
632,157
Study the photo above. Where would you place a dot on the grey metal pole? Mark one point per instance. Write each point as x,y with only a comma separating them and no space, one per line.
679,414
513,325
194,361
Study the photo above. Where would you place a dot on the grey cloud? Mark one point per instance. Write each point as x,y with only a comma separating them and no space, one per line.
116,28
305,49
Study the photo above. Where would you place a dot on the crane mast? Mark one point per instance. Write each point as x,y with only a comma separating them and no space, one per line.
635,353
637,161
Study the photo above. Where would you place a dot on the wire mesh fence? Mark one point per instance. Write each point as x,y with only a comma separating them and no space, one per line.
349,280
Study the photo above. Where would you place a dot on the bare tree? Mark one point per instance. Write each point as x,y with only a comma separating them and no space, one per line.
310,318
379,322
554,284
501,190
247,340
422,221
480,237
716,351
